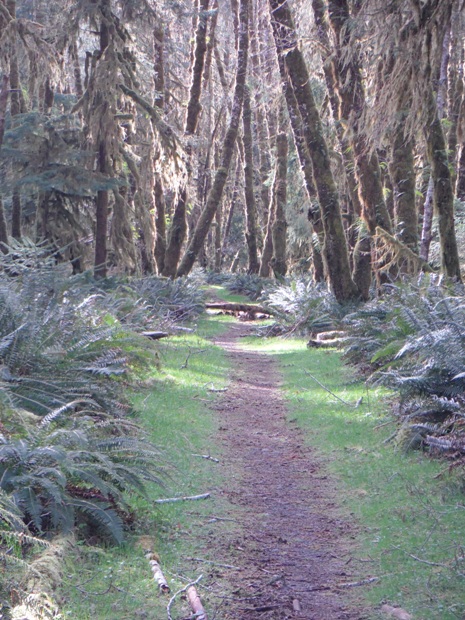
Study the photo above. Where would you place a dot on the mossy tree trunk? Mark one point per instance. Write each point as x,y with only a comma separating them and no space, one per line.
178,228
278,262
15,109
250,206
443,191
402,173
159,102
216,192
335,245
352,104
3,107
103,162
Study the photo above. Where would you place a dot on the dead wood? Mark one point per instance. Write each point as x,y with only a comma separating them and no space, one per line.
170,500
157,573
196,603
235,307
155,335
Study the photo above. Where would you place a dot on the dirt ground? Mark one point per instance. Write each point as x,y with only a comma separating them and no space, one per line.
295,548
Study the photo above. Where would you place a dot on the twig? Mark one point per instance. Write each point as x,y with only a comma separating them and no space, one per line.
214,563
329,391
173,598
208,457
186,498
427,562
186,363
362,582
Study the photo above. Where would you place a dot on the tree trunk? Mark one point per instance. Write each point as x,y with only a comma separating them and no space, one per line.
250,206
278,262
178,227
3,107
335,247
267,253
443,192
101,220
159,65
160,224
427,226
15,109
352,104
232,206
103,166
403,178
216,193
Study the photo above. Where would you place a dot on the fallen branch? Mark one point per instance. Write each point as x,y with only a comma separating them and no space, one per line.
214,563
362,582
208,457
173,598
155,335
158,575
196,604
329,391
236,307
170,500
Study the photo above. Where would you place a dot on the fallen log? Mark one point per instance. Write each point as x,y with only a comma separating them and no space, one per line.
155,335
196,603
170,500
236,307
157,573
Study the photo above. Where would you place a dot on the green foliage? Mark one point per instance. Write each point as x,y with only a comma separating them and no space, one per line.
250,285
57,476
413,340
302,306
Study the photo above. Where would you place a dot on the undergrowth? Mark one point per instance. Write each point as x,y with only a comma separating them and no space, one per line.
172,406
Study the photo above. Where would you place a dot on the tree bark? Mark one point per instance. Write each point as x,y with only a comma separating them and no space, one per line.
278,262
352,104
403,178
216,193
335,247
103,166
250,206
101,220
178,227
3,107
443,192
15,109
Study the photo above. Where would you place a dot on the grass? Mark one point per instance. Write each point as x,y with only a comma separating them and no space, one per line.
172,405
411,522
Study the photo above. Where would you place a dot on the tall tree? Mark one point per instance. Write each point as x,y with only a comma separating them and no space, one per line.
335,245
178,226
250,205
216,192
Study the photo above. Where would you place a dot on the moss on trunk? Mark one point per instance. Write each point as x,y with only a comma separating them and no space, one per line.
216,193
335,245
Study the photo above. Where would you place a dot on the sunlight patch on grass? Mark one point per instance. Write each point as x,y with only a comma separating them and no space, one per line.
412,524
173,406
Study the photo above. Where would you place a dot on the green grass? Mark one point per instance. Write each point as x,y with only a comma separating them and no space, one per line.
173,407
411,523
224,295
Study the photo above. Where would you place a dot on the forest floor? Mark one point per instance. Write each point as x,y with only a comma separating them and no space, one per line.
294,553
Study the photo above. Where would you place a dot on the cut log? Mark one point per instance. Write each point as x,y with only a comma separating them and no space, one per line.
155,335
157,573
196,604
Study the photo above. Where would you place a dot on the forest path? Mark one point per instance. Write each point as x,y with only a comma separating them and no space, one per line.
294,550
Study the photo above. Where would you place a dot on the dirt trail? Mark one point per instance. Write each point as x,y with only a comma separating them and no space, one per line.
290,522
